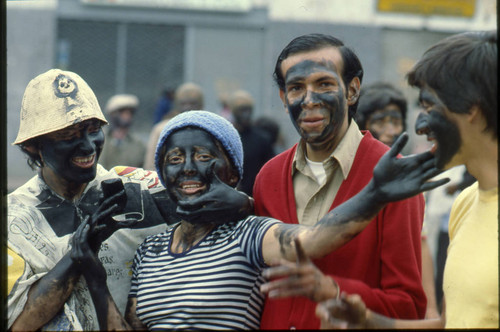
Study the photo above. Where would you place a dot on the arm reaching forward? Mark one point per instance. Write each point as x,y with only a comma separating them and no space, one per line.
393,179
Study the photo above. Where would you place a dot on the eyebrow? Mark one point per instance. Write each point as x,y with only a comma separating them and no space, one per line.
392,113
426,96
172,151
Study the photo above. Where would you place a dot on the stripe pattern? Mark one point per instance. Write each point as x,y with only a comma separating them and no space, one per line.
214,285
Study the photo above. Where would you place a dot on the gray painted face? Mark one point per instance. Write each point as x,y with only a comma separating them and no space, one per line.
434,123
326,93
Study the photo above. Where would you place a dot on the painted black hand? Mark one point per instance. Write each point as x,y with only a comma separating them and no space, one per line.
395,178
84,257
102,224
301,278
220,204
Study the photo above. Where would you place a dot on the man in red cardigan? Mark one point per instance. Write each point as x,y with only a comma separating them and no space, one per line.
319,80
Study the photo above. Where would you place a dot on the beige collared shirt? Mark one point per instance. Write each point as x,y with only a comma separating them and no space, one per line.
312,199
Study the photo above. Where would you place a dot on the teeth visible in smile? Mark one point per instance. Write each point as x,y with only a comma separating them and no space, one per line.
83,159
191,186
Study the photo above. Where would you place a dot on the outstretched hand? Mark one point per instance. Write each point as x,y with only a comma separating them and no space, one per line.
395,178
221,203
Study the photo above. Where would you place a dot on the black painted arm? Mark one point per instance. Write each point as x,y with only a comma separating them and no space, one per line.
47,296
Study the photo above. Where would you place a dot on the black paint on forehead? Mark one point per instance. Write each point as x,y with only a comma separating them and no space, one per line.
62,133
193,134
307,67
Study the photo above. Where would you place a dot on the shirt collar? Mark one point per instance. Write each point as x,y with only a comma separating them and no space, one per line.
343,155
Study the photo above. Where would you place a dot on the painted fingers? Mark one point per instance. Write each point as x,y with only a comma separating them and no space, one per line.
348,311
398,145
296,279
79,242
429,171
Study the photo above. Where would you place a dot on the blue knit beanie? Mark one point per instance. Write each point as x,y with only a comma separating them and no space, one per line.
214,124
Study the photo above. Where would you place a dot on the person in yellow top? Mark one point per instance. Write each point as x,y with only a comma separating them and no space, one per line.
472,293
458,93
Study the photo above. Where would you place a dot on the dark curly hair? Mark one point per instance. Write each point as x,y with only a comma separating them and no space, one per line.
377,96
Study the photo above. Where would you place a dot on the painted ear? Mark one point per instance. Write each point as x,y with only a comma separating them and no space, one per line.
353,91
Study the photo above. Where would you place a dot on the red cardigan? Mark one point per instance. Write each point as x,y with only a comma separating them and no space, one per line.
382,263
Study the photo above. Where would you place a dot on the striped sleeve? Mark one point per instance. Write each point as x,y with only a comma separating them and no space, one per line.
135,265
251,237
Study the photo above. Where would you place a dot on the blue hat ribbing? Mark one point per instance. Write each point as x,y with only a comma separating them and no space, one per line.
214,124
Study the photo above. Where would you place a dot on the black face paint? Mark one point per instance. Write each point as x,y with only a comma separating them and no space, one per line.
392,114
385,125
74,156
189,153
321,124
436,126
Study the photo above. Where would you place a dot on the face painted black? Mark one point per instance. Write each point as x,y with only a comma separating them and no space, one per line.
434,123
315,98
189,154
72,153
121,119
386,125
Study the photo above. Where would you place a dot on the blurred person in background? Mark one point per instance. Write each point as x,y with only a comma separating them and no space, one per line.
257,146
188,96
163,106
61,135
122,147
382,110
459,98
224,110
272,128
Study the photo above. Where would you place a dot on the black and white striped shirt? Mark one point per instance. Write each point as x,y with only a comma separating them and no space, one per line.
214,285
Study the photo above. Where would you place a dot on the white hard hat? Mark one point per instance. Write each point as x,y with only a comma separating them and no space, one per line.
118,102
55,100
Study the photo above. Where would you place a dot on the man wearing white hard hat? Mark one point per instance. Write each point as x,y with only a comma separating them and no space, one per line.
122,146
60,132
